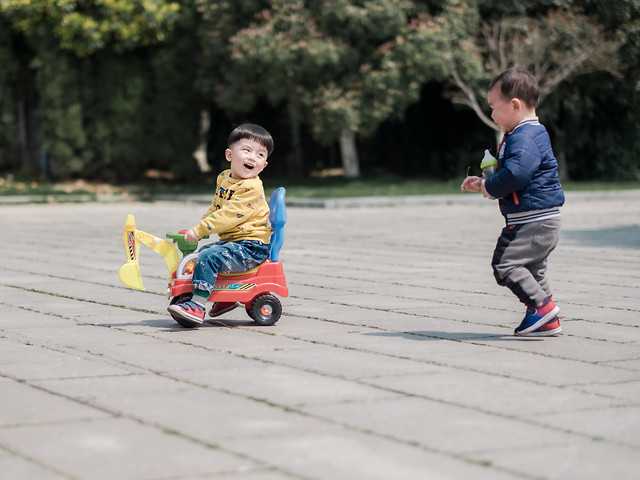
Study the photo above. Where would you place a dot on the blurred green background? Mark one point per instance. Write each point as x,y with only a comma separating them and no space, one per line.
377,97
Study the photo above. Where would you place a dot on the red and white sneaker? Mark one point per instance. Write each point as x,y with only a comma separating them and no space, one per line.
537,316
550,329
188,314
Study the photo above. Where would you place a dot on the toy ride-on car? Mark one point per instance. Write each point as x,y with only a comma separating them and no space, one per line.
256,289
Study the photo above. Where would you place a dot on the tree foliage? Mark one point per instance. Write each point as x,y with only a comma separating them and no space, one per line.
111,89
597,118
343,66
9,129
554,47
86,26
91,83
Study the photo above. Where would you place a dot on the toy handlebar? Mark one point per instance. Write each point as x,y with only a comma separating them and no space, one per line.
184,246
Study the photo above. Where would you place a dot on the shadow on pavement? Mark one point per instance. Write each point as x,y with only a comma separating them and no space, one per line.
627,236
170,324
455,336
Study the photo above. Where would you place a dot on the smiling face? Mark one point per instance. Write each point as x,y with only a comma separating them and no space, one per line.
248,158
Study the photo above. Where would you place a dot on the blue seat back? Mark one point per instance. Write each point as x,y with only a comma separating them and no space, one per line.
277,219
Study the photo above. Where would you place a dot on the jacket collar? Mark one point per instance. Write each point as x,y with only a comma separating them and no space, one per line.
526,121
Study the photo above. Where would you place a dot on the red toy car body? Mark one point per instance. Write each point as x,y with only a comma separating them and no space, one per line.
254,288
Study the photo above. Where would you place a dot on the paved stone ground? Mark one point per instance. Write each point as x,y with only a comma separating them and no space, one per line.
394,358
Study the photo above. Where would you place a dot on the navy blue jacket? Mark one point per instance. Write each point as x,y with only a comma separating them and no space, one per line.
527,177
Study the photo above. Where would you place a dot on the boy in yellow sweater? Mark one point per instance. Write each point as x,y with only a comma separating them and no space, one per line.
239,214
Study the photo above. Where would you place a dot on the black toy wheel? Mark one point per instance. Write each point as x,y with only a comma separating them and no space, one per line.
179,299
265,310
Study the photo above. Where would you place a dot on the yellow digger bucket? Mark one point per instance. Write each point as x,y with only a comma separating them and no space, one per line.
129,273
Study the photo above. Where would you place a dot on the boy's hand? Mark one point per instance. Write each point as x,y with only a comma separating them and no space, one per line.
191,236
471,184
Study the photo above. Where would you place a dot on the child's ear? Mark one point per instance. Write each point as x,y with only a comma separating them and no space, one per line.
516,103
227,154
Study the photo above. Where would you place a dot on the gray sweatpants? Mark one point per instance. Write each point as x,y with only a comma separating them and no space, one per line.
520,259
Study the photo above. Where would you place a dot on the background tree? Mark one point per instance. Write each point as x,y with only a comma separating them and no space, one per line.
343,67
596,118
9,126
117,90
81,81
85,27
554,47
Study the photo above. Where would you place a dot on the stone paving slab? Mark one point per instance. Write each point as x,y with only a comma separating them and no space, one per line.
120,448
394,358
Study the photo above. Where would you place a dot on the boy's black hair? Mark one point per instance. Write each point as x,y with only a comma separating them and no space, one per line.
252,132
518,83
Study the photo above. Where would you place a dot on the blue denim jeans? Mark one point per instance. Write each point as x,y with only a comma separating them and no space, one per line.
226,257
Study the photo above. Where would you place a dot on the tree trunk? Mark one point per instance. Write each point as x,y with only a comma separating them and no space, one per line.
294,157
201,152
30,147
349,153
24,139
563,171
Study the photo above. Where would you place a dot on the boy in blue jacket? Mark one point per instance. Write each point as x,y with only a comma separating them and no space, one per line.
530,196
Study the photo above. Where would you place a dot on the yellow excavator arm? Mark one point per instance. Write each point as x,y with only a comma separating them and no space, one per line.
129,273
